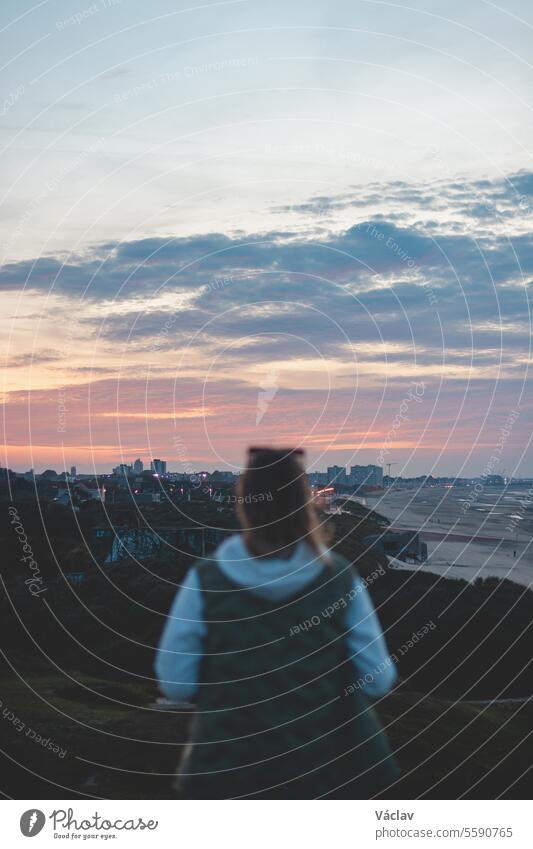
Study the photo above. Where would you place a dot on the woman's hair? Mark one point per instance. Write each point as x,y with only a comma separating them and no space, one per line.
275,506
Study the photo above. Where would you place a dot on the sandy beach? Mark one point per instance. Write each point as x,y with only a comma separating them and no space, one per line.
466,541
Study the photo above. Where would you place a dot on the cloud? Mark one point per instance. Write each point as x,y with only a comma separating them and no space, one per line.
374,280
32,358
364,308
500,200
391,243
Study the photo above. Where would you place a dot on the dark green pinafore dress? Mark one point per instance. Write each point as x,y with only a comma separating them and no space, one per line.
272,718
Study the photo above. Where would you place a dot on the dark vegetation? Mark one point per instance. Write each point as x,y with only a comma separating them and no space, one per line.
77,664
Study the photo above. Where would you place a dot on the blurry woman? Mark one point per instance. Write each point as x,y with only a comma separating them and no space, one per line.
276,640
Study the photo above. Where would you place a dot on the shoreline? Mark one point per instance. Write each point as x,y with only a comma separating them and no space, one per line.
461,545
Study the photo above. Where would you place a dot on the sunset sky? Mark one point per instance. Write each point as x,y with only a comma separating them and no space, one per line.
248,222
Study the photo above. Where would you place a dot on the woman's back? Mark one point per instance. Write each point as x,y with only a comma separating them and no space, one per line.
269,689
266,638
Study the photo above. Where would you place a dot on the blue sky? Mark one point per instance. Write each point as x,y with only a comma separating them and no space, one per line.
334,198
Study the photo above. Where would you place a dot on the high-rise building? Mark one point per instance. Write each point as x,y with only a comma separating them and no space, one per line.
73,472
138,466
317,478
366,475
122,469
336,474
158,466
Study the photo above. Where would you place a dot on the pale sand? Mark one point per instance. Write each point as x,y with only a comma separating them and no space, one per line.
439,510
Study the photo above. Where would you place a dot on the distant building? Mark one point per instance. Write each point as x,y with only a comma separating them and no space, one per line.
149,542
73,472
138,466
122,469
76,493
336,475
317,478
158,466
366,475
75,577
403,545
147,498
92,489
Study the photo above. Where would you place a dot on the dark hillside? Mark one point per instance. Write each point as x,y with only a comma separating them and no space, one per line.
77,668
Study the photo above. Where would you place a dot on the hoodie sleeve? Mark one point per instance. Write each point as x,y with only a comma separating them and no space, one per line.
374,669
180,649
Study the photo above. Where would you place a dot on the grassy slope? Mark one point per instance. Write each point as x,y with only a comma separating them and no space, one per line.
104,758
102,761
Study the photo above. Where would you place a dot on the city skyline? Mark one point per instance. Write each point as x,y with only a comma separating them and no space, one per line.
341,474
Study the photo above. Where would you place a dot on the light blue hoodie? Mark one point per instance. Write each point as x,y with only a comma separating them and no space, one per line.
181,647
